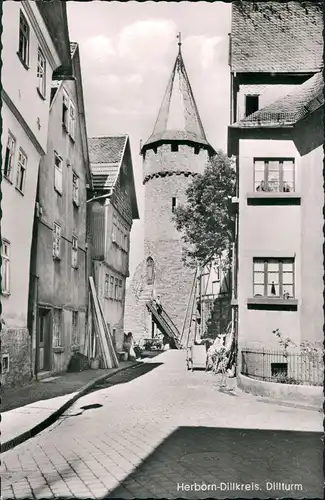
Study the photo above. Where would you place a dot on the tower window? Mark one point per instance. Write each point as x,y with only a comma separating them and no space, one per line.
251,104
174,204
174,147
150,270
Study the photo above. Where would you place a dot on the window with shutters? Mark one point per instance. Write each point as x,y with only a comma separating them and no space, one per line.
72,120
56,241
58,172
74,254
9,159
75,188
57,327
65,110
21,171
274,278
75,328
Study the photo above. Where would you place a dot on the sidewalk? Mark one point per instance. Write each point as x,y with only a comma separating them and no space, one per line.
52,387
23,408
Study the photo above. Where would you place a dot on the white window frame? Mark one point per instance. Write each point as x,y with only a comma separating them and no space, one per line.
5,267
21,171
65,110
72,120
74,252
106,286
41,73
24,34
116,289
9,160
75,328
57,327
58,173
75,188
265,271
56,241
111,287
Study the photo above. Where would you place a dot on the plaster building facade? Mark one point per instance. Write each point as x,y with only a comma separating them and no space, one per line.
176,151
111,214
31,52
278,148
59,274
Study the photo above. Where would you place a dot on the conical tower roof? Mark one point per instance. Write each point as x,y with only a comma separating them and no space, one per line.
178,118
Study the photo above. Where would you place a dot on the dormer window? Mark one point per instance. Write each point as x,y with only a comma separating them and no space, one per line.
251,104
174,204
196,150
174,147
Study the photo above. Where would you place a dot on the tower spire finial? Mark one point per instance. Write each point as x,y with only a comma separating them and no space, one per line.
179,36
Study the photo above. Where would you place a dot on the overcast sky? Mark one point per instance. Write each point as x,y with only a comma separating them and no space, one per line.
127,53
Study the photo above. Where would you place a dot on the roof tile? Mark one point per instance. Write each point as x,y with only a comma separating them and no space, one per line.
277,37
105,155
290,108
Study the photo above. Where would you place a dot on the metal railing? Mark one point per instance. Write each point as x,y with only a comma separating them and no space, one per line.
281,367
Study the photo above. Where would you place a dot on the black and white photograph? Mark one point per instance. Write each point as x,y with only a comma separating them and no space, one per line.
162,263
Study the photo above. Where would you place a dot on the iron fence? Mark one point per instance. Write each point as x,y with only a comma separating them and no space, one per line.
305,368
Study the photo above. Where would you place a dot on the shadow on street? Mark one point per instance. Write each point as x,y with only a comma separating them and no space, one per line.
227,457
126,376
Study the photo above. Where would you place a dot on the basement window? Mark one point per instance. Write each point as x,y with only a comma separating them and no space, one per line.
279,369
174,148
251,104
5,363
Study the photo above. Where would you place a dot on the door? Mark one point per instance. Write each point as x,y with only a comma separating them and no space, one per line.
44,340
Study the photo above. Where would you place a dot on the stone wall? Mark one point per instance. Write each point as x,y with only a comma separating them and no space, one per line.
17,343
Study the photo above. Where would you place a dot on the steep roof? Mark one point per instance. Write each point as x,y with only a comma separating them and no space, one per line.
278,37
106,156
178,117
289,109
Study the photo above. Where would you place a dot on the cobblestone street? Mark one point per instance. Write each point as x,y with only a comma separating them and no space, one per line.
157,435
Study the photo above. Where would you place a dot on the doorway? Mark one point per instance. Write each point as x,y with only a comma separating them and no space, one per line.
44,340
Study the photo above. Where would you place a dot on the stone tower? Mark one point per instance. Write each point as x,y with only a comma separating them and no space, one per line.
175,152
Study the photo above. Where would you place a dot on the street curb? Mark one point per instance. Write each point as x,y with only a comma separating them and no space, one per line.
291,404
21,438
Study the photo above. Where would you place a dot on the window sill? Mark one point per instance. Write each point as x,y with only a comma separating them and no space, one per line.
64,127
273,198
5,294
22,61
72,139
57,191
75,203
41,95
56,258
75,347
75,268
272,303
58,349
20,191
